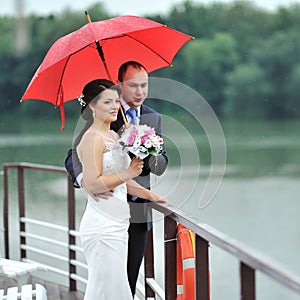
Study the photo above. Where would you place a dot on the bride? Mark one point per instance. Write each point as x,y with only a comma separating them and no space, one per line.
103,228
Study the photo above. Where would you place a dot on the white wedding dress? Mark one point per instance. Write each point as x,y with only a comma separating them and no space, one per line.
104,237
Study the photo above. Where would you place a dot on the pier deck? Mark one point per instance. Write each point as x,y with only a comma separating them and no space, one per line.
54,291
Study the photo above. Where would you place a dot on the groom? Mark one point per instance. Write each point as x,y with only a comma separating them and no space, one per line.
133,81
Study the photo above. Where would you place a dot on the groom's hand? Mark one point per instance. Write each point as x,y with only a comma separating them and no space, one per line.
104,196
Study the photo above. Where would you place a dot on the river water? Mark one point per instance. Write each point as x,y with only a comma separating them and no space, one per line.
257,202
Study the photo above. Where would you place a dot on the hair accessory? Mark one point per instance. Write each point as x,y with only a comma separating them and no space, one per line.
81,101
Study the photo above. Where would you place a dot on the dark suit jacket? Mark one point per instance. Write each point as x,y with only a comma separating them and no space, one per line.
152,164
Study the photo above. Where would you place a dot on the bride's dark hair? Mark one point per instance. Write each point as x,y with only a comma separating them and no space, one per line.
91,94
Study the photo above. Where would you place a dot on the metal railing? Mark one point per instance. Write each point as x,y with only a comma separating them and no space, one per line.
250,260
23,221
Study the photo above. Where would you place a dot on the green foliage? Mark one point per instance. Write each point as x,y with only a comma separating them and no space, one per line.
247,93
206,63
287,18
6,36
247,24
202,21
243,61
278,56
291,100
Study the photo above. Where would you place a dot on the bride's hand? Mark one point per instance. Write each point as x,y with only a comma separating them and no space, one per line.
104,195
127,125
158,198
136,166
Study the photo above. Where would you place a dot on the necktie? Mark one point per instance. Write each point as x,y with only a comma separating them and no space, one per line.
133,114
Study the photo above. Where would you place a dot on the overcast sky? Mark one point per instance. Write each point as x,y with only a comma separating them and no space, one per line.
118,7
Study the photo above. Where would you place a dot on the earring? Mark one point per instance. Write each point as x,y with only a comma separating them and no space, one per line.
94,115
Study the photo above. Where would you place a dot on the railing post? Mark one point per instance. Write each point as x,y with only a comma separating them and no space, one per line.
170,258
72,239
21,196
247,277
149,264
202,269
5,211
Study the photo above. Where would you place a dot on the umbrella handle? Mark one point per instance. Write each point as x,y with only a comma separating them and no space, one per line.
123,115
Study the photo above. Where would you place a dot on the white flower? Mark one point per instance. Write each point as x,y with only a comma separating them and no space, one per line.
137,143
148,143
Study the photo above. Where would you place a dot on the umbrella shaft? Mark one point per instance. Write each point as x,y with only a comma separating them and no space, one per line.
100,51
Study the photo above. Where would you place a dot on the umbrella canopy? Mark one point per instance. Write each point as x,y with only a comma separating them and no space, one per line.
97,50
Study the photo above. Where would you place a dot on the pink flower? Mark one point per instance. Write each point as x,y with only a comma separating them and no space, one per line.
144,139
131,139
149,132
134,132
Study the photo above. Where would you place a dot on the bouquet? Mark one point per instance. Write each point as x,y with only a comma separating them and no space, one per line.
141,140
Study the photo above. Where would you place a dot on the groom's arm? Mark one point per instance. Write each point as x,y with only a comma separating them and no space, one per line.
73,167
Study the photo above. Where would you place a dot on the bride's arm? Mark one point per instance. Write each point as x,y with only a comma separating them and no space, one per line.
135,189
90,151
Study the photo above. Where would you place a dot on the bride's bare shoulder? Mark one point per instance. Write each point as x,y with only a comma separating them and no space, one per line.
91,139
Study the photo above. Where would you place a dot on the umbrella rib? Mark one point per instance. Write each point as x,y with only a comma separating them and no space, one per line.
149,49
138,41
61,78
63,72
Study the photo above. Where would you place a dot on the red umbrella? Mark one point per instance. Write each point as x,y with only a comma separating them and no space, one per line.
97,50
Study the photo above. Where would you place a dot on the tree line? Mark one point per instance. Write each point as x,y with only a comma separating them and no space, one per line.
244,60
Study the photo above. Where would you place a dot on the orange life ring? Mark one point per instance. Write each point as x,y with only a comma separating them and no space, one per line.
185,264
